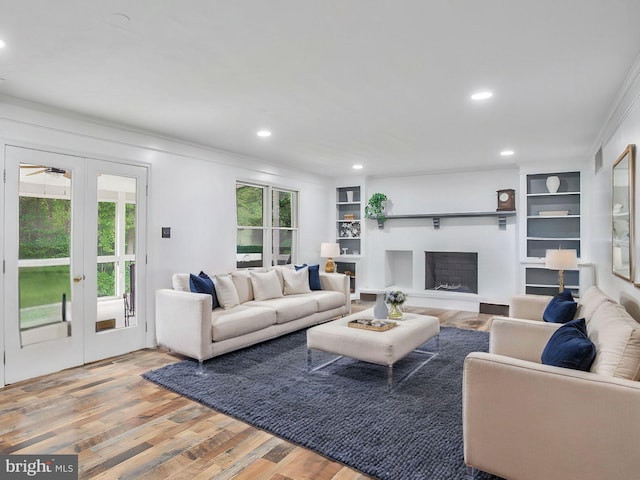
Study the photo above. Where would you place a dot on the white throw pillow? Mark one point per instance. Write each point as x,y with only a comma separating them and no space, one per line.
226,292
242,281
266,285
296,282
616,336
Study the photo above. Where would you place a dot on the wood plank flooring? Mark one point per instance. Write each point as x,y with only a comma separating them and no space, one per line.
122,426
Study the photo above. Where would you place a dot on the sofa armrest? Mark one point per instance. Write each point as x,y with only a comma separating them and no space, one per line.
338,282
530,421
183,322
530,307
518,338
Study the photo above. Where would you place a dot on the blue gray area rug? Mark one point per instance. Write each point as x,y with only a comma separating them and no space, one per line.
344,411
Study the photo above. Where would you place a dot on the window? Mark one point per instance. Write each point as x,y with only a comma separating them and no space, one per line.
267,219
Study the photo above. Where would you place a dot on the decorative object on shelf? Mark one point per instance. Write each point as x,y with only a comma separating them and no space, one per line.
561,260
622,213
349,216
344,250
395,298
375,208
506,200
328,251
349,196
553,183
350,230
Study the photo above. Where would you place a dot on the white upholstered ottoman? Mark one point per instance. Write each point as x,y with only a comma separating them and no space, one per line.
382,348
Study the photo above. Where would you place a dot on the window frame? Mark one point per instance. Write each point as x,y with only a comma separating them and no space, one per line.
269,259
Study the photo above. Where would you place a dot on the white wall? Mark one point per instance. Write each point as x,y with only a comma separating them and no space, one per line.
192,189
446,193
628,132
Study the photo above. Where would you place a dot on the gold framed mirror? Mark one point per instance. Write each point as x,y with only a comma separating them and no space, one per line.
622,214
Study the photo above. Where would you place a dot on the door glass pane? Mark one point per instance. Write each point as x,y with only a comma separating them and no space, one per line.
44,245
117,227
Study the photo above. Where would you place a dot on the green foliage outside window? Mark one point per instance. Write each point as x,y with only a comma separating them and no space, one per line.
249,206
45,228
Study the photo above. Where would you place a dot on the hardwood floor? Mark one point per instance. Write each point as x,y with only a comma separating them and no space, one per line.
122,426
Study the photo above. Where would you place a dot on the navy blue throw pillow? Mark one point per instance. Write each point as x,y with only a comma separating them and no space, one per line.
561,308
570,347
314,275
201,283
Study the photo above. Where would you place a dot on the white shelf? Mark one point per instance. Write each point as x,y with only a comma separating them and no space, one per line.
344,221
348,238
553,239
553,216
551,194
348,203
546,285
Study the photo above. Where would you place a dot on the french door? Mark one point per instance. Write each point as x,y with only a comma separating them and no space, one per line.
75,257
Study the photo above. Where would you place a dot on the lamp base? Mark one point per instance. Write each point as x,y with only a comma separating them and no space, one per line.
560,281
330,266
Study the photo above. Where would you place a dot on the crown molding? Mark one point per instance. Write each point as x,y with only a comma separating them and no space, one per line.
626,99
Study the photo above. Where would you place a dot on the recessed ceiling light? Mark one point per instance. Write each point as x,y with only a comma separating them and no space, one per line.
357,166
2,44
264,133
507,153
481,95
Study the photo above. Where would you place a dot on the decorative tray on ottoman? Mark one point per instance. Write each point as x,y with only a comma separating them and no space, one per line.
372,324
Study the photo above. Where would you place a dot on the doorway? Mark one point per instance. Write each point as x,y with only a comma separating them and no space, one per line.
75,259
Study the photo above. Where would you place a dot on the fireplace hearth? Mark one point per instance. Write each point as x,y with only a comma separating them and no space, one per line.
451,271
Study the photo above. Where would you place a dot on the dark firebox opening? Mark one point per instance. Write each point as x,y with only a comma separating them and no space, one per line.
451,271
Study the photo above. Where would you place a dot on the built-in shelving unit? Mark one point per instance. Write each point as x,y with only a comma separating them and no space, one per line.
349,220
349,231
553,220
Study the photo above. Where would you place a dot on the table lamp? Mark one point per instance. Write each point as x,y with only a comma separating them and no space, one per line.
328,251
561,260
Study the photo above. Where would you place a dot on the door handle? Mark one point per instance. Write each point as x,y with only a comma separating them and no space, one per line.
78,279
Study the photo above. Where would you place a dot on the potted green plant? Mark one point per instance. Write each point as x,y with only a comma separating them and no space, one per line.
375,208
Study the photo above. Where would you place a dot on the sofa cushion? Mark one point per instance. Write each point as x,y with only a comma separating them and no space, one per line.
266,285
328,300
314,275
296,281
289,308
570,347
561,308
244,287
240,320
590,301
226,291
180,282
616,336
201,283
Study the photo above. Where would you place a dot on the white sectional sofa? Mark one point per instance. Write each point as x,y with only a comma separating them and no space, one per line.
524,420
187,324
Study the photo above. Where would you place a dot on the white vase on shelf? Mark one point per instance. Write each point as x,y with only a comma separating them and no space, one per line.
350,196
553,183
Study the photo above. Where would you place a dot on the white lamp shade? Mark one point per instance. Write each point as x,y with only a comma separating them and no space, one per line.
561,259
328,250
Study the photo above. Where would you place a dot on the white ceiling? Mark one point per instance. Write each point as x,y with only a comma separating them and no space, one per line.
380,82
